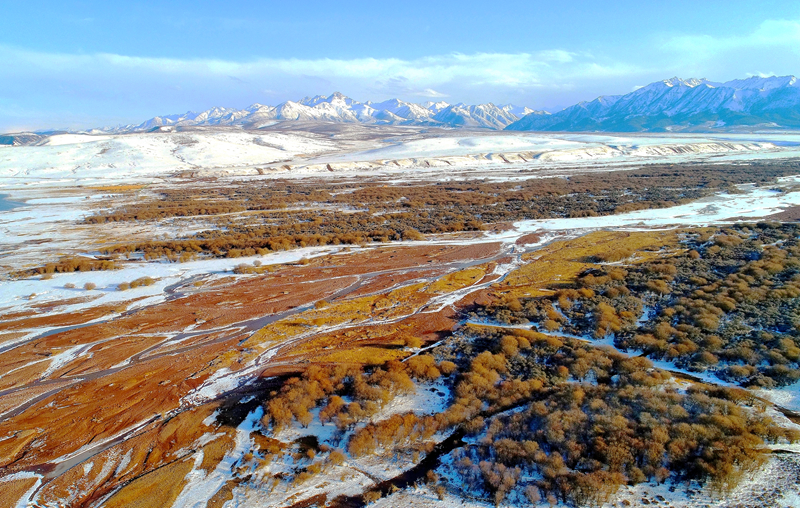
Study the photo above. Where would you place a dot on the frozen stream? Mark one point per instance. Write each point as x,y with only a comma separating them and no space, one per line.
752,203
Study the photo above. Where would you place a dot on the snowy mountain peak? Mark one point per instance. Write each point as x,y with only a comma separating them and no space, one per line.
762,84
520,111
691,82
311,101
339,99
388,104
435,106
337,107
319,99
682,104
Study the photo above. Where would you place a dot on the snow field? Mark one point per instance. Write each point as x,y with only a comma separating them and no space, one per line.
78,157
74,157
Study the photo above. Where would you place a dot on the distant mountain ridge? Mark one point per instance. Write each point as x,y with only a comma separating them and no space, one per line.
342,109
670,105
681,105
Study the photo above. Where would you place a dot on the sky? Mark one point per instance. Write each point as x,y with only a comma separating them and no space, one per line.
82,64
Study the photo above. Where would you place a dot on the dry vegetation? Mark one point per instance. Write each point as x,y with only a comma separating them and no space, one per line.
346,393
69,264
726,302
586,420
583,420
540,413
559,419
253,220
554,417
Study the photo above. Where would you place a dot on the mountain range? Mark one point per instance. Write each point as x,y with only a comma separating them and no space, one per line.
671,105
681,105
341,109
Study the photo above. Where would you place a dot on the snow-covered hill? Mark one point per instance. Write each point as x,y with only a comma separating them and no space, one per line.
341,109
679,105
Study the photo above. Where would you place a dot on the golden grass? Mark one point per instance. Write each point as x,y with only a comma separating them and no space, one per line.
397,303
367,355
215,451
458,280
117,188
156,489
395,334
13,490
561,262
557,263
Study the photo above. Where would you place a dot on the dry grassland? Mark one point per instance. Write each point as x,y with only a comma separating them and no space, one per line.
560,262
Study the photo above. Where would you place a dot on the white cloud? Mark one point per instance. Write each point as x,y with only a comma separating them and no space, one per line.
66,86
431,93
521,69
43,89
773,33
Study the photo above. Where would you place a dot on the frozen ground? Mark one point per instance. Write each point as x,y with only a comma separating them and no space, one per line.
547,151
358,473
786,396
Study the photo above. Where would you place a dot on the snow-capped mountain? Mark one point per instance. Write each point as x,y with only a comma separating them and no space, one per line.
521,111
342,109
681,104
482,115
669,105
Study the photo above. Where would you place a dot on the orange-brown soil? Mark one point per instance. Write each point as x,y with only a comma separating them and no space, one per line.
39,321
13,490
53,304
388,281
18,397
118,387
8,337
528,239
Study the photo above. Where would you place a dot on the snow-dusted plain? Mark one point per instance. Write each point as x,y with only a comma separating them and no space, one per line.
68,159
75,157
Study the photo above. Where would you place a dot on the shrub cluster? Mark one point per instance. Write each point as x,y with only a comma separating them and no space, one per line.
585,420
346,394
73,264
727,303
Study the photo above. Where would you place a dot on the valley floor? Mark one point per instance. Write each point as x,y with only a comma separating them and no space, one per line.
151,384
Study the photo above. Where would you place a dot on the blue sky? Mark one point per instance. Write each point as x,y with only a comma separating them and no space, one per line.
84,63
